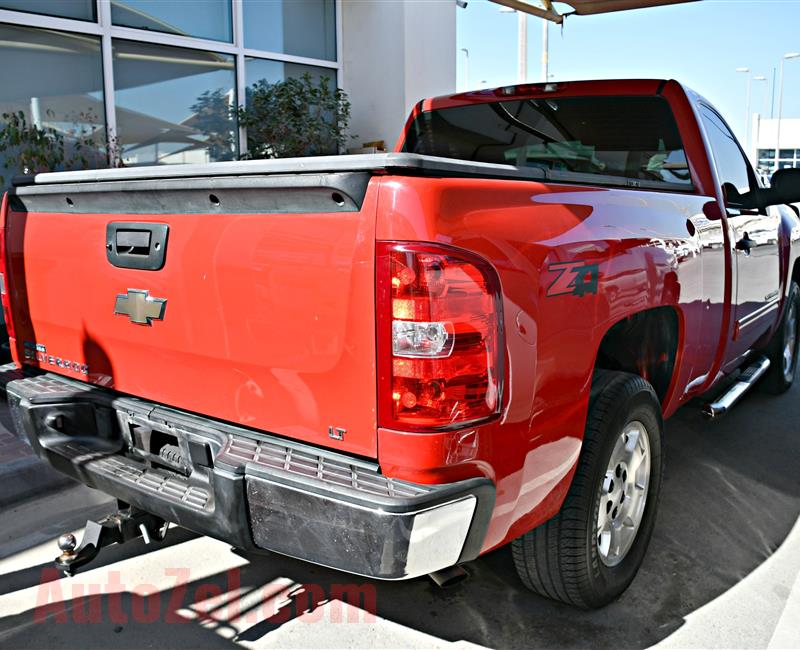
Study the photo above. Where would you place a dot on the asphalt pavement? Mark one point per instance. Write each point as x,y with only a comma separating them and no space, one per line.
722,571
22,474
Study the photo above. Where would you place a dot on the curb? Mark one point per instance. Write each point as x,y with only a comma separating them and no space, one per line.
28,477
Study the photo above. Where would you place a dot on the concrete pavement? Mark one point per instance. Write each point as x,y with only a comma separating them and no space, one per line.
722,571
22,474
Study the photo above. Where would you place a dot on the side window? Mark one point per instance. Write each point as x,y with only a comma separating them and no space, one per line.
732,166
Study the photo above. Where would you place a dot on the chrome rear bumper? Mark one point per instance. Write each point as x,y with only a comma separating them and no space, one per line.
250,489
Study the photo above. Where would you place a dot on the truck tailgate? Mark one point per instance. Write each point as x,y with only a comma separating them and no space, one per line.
269,288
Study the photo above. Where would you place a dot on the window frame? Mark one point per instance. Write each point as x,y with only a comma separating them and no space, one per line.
44,13
121,44
103,27
751,174
226,40
592,178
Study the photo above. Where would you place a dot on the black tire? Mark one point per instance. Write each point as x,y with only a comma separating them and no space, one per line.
560,559
779,377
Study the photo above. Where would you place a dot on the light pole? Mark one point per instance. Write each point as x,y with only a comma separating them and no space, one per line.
522,43
466,67
545,49
522,47
786,57
748,126
747,113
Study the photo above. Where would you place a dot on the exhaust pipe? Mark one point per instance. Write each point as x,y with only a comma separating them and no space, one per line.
449,576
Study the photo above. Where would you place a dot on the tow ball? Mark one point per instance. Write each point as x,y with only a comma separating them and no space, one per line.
121,527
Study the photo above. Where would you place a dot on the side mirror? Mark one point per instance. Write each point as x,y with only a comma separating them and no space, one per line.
785,187
784,190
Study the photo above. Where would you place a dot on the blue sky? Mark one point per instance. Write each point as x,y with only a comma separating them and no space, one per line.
698,43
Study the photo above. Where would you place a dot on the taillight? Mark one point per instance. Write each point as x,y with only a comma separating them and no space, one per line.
4,267
440,342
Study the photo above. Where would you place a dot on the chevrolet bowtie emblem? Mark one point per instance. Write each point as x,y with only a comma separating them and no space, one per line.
140,307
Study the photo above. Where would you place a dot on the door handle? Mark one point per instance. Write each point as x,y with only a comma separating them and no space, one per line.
136,245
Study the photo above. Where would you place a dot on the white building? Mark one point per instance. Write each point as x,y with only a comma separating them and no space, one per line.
764,150
160,77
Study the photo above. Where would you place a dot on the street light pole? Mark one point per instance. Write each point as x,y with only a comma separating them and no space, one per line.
545,49
748,123
522,43
786,57
522,47
747,114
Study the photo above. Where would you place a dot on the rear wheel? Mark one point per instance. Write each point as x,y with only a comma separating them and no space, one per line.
783,349
589,553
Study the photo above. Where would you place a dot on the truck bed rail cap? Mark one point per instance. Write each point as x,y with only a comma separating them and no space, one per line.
411,163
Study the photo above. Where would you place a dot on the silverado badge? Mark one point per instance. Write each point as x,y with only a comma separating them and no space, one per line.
140,307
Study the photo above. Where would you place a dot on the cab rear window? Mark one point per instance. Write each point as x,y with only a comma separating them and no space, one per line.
634,138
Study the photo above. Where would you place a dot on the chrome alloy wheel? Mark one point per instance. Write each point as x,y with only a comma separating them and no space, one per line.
790,341
623,494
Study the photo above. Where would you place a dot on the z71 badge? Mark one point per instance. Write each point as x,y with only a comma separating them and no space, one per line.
573,279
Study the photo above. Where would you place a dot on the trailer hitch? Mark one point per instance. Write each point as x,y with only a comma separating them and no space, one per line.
121,527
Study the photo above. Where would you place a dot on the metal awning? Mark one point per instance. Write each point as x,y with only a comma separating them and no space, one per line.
545,8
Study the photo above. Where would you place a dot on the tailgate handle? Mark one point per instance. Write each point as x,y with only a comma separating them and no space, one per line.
136,245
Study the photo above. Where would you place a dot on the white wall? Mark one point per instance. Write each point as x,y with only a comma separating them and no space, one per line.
765,133
394,53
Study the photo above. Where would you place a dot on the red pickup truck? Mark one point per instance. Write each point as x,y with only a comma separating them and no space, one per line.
393,364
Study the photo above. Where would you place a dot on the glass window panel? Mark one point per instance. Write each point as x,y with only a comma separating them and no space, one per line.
173,104
274,71
271,72
787,153
299,27
77,9
639,138
766,153
732,167
56,80
209,19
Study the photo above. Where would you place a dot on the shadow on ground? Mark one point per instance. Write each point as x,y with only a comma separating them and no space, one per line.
731,495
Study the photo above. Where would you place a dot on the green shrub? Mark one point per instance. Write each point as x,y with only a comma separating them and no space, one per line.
295,117
30,149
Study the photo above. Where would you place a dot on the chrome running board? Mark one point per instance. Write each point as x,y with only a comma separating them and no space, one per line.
744,383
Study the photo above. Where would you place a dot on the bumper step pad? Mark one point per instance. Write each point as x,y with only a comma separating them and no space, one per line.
168,485
343,473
